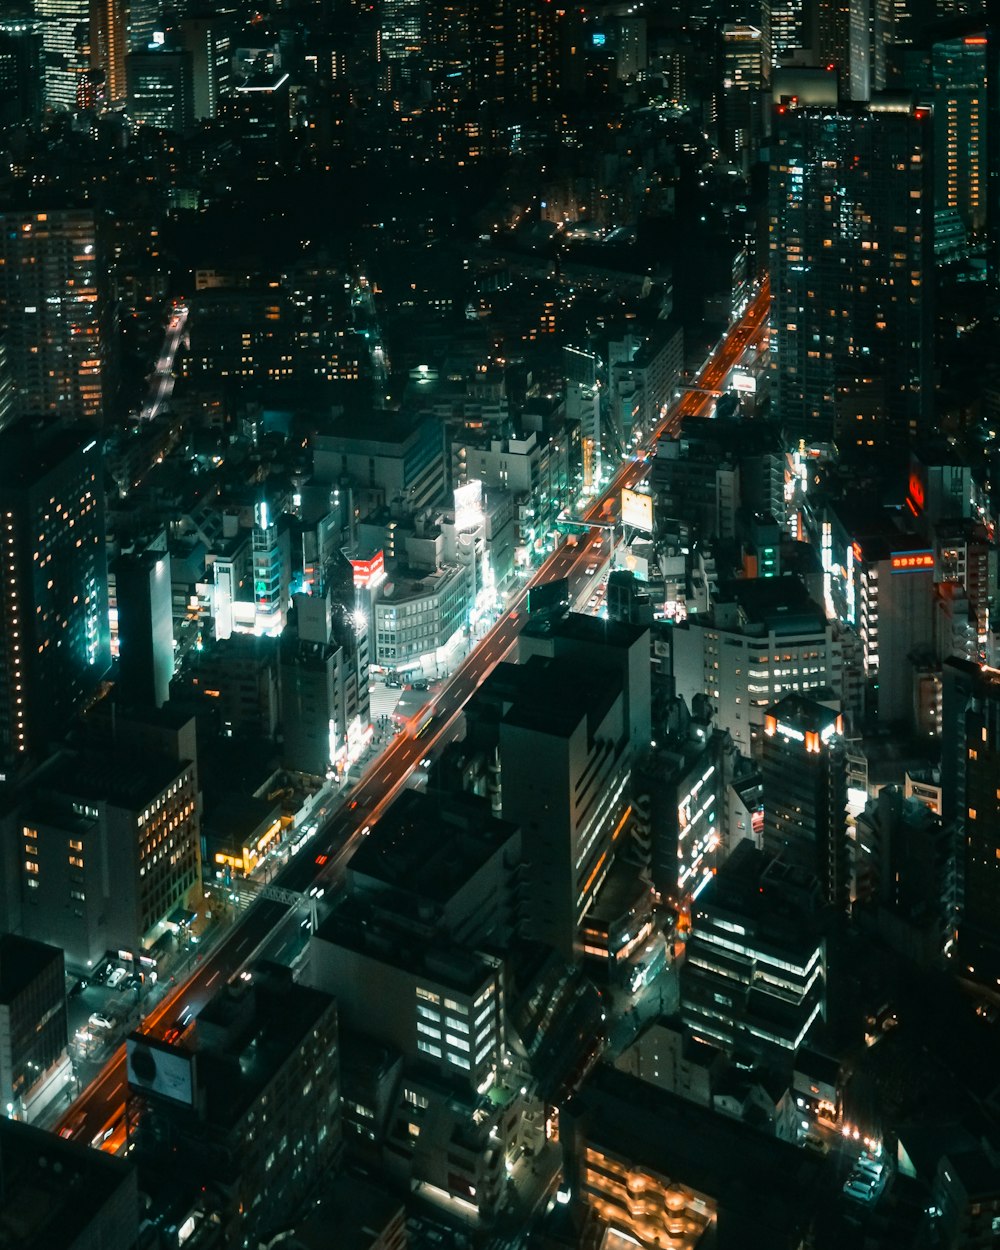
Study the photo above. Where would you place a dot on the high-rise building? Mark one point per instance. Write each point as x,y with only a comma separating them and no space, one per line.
566,757
54,636
952,73
740,115
160,88
208,42
782,29
805,793
109,44
402,23
851,254
22,77
53,310
755,972
970,768
33,1061
66,47
242,1115
144,603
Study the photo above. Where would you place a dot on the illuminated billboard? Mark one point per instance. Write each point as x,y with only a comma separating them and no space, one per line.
369,573
468,506
637,510
157,1068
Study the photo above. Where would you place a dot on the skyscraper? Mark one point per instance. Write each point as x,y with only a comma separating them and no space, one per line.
970,771
54,637
805,792
851,251
52,308
108,45
952,72
781,31
66,48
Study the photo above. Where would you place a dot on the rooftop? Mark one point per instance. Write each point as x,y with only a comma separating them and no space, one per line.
431,845
56,1191
21,961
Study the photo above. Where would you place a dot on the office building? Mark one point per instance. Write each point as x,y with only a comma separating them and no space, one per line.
66,48
241,1115
111,846
143,603
755,973
851,253
448,857
323,682
882,585
208,43
109,45
160,88
61,1193
34,1066
782,30
680,797
237,679
391,459
401,27
594,646
54,313
740,101
433,1001
566,758
970,760
804,776
952,74
54,634
22,77
764,638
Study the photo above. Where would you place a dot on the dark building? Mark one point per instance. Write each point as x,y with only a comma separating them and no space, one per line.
58,1193
54,311
33,1059
970,771
54,636
851,256
145,626
755,973
243,1113
805,792
161,88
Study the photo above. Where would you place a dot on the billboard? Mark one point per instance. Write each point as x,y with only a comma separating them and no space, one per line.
744,382
468,505
549,596
157,1068
637,510
369,573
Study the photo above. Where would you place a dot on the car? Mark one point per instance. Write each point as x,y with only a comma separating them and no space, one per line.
421,684
859,1186
591,570
869,1168
597,544
366,831
116,978
100,1021
131,983
815,1143
78,988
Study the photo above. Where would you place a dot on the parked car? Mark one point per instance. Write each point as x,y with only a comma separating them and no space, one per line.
116,978
100,1021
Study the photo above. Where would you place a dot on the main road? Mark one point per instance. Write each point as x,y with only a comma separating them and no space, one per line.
99,1110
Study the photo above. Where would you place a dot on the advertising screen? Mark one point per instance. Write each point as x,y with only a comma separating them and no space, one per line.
156,1068
637,510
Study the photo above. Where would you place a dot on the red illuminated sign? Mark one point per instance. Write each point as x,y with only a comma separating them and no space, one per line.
917,491
369,572
913,562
